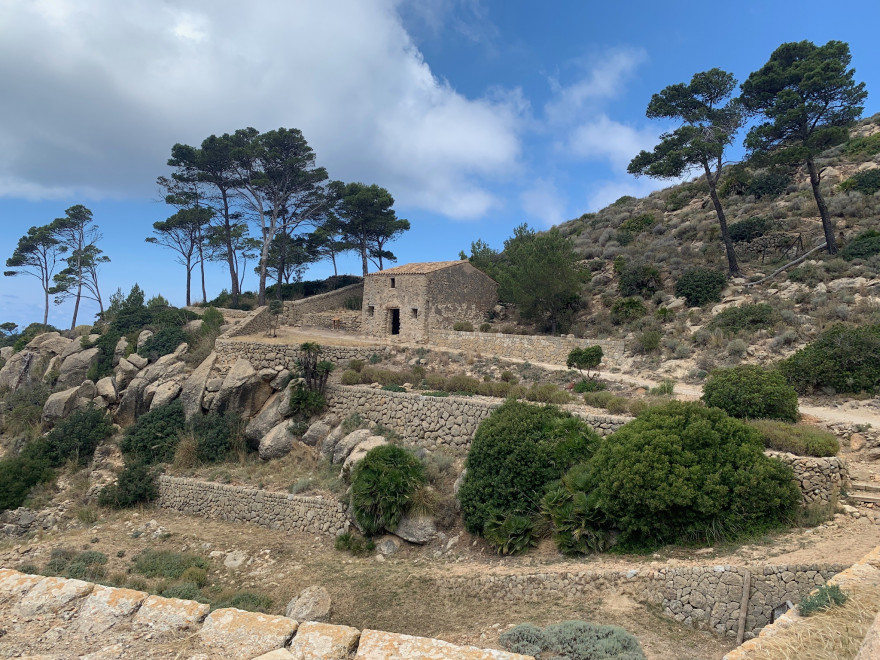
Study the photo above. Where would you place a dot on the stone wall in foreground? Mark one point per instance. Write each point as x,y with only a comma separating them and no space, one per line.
316,515
820,479
534,348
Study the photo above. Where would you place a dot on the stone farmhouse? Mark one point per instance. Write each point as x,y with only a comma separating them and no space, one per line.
410,300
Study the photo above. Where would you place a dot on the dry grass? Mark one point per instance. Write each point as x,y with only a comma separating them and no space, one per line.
835,634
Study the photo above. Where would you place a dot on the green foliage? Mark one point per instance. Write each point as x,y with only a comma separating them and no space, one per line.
586,358
217,435
749,391
87,565
18,474
867,182
768,184
354,544
589,386
315,372
625,310
136,483
745,231
747,318
632,227
393,388
647,341
183,590
128,314
863,246
702,477
154,436
382,487
517,450
579,527
510,534
823,598
23,408
212,319
638,279
77,437
800,439
843,359
247,600
863,146
700,286
624,199
350,377
306,403
103,365
163,342
167,564
463,326
573,640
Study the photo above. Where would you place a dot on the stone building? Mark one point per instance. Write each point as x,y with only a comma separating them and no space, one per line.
409,301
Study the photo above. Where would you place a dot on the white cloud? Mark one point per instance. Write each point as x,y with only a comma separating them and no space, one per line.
96,92
605,138
605,192
544,201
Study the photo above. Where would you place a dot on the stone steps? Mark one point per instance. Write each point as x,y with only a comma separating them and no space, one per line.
866,486
864,497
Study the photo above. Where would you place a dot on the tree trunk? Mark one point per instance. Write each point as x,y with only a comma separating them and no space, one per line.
46,311
230,253
202,265
827,227
333,259
732,265
188,280
364,263
76,306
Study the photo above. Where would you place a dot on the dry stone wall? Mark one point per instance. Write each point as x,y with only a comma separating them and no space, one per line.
431,422
296,311
534,348
339,319
703,597
270,356
316,515
820,479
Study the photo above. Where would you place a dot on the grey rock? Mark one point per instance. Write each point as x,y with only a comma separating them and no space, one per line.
28,365
213,384
388,545
193,326
416,529
164,393
138,360
143,338
107,389
345,446
280,379
264,421
194,388
125,373
119,351
6,352
76,365
284,406
180,351
357,454
59,405
330,442
243,391
276,443
87,390
316,434
312,604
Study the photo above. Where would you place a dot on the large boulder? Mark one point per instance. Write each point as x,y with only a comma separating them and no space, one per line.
125,373
264,421
76,365
244,391
59,405
277,443
138,396
6,352
312,604
143,338
29,364
119,351
164,393
345,446
138,360
416,529
194,388
357,454
316,434
328,446
107,389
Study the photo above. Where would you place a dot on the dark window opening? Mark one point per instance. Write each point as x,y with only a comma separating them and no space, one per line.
415,313
371,310
395,321
392,283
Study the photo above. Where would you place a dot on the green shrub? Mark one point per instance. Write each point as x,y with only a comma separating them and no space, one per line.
354,544
745,231
350,377
517,450
382,487
136,483
699,286
77,437
867,146
154,436
512,534
768,184
863,246
306,403
800,439
823,598
393,388
638,279
356,365
183,590
463,326
18,474
589,386
647,341
625,310
485,327
212,319
217,435
748,318
586,358
165,341
751,392
737,348
23,408
702,477
198,576
843,358
578,526
547,393
632,227
573,640
167,564
247,600
867,182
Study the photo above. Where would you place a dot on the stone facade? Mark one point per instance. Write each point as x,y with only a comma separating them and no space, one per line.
704,597
820,479
316,515
534,348
408,302
434,423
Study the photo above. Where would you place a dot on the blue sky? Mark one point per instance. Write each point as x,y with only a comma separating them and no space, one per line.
476,115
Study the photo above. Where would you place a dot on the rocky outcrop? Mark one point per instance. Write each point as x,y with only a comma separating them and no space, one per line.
59,405
139,394
143,338
194,388
30,364
277,443
320,641
416,529
125,373
316,434
360,451
347,444
244,389
267,419
312,604
75,366
376,645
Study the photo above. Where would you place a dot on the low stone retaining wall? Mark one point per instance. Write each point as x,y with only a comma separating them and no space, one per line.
296,310
432,422
239,504
256,321
704,597
339,319
268,356
820,479
535,348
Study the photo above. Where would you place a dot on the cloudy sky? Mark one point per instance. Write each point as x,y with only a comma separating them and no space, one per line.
477,115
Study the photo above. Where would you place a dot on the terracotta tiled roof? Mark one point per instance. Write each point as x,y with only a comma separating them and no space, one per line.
419,268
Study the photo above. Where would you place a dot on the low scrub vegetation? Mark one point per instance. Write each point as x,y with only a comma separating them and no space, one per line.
800,439
575,640
383,486
700,286
823,598
746,318
751,392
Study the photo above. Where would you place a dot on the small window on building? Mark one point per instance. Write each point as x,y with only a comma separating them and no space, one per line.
392,282
415,313
370,310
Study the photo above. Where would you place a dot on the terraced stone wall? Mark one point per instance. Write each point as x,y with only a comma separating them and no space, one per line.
268,356
534,348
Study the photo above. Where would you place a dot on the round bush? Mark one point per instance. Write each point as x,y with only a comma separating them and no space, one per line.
863,246
700,286
78,436
154,436
575,640
625,310
382,487
684,473
751,392
516,451
844,358
745,231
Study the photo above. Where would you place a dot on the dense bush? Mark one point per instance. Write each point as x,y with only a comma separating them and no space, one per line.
632,227
212,319
18,474
867,182
382,487
510,534
745,231
217,435
647,341
750,391
768,184
306,403
165,341
746,318
154,436
579,527
825,597
77,437
863,246
167,564
23,408
867,146
136,483
700,286
843,358
638,279
574,640
625,310
702,477
517,450
800,439
103,365
463,326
